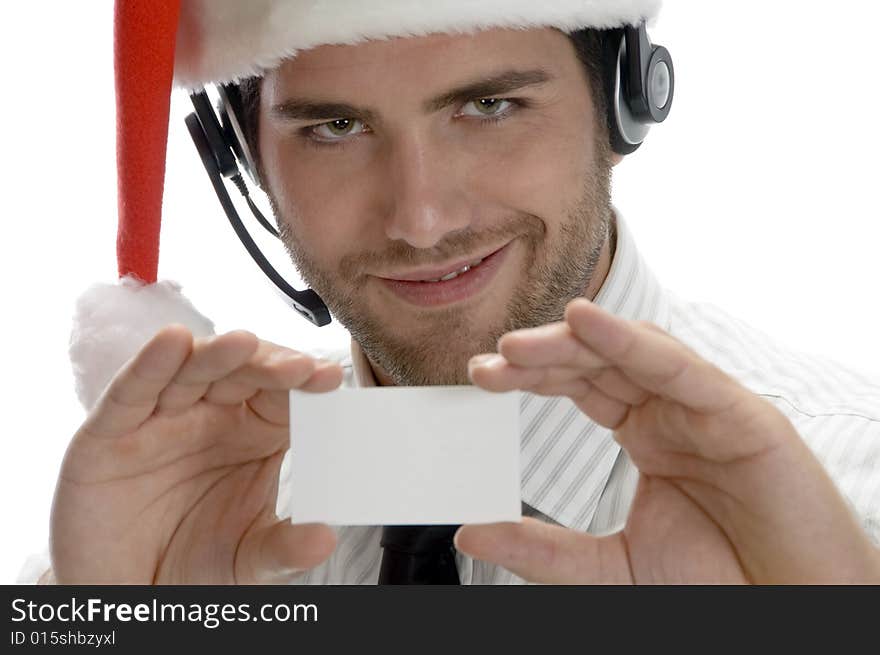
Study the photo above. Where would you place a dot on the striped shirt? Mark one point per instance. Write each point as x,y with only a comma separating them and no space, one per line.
573,472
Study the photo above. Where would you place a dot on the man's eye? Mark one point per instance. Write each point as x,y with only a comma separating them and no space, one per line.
488,107
334,130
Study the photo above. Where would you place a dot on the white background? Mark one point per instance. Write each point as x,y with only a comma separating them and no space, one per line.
759,194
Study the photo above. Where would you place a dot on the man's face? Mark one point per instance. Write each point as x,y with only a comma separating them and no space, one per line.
392,164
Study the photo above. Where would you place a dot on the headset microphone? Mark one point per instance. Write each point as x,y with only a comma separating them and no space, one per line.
219,158
639,86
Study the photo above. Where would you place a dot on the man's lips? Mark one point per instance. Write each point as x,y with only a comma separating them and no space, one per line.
436,273
456,288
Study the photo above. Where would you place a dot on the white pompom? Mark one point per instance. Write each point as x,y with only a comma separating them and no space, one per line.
113,321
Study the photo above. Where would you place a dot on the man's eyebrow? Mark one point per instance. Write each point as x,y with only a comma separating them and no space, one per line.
489,87
295,109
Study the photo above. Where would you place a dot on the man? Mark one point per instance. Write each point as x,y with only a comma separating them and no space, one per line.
441,192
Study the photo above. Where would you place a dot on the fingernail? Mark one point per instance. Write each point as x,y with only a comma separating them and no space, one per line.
456,539
281,356
490,361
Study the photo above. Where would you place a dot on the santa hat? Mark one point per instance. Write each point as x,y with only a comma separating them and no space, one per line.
190,43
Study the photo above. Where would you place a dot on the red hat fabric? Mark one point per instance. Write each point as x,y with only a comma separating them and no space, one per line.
145,33
112,321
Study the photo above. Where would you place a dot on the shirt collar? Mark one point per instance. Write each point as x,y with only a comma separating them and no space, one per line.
360,365
566,458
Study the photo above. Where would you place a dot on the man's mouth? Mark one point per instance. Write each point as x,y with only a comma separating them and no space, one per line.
440,273
447,284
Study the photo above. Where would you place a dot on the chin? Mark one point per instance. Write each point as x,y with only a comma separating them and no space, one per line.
430,355
440,372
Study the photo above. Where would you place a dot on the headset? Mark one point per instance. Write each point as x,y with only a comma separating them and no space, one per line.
639,86
639,80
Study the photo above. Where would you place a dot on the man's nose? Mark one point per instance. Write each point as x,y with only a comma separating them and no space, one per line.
426,198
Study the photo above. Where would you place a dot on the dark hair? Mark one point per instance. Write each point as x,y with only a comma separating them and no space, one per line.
589,45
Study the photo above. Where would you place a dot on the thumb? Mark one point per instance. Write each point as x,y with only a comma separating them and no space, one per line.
548,554
278,552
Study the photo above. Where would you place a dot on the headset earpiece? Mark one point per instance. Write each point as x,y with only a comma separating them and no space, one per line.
214,135
639,85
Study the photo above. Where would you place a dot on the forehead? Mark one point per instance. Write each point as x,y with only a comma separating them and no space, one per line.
429,61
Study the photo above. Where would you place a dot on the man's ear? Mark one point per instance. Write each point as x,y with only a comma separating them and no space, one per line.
616,158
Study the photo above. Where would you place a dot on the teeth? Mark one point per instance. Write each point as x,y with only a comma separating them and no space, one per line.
455,274
451,276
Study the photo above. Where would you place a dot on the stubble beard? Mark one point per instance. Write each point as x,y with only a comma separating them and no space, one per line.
438,352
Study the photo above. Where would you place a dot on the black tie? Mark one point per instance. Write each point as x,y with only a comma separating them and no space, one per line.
418,554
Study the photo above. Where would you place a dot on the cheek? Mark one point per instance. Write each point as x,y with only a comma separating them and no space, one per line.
320,201
541,171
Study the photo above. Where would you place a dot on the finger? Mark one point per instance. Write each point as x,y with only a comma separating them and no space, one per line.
327,376
544,553
276,380
615,384
131,396
603,409
548,345
652,359
212,358
277,553
274,405
496,373
270,367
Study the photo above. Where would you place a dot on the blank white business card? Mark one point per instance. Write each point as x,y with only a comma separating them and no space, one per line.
404,456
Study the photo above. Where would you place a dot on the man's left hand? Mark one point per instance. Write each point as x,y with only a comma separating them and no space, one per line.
728,491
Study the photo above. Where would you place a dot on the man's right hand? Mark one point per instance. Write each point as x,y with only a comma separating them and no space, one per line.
173,476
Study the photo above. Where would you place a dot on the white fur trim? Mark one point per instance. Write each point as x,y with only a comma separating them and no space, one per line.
113,321
226,40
